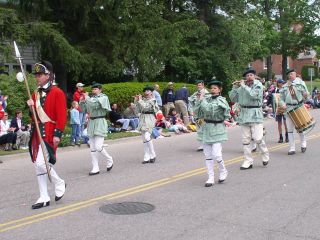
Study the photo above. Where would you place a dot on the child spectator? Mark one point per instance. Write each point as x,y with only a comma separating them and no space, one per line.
176,122
75,124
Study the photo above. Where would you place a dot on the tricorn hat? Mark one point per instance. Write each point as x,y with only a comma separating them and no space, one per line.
96,85
146,88
216,83
199,81
249,70
290,70
44,67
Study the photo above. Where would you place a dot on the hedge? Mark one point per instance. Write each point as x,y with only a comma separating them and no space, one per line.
123,93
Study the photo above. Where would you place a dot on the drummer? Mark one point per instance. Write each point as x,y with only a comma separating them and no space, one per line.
292,95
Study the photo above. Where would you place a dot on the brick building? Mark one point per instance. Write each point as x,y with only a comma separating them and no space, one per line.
304,58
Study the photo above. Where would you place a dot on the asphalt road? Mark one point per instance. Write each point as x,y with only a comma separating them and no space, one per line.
280,201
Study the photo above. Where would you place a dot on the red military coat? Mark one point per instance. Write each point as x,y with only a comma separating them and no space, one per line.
55,106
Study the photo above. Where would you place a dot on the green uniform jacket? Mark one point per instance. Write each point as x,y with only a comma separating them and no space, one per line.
147,107
247,96
213,109
192,102
285,97
97,106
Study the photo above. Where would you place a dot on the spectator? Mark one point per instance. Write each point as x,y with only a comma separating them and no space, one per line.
115,117
181,104
157,96
75,124
168,99
3,104
22,131
131,113
7,134
176,124
317,101
314,93
82,115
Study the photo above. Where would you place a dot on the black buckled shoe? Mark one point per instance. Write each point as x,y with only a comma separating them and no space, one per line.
244,168
152,160
208,185
58,198
303,149
109,168
144,162
93,173
40,205
265,163
291,152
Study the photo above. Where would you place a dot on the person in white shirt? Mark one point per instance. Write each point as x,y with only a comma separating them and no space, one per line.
23,135
7,134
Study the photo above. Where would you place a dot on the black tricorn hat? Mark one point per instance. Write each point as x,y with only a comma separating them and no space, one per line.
199,81
249,70
44,67
96,85
290,70
216,83
146,88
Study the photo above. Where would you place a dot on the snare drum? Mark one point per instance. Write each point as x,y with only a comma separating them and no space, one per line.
302,119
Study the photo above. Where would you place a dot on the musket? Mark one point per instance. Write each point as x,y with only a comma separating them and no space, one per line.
34,115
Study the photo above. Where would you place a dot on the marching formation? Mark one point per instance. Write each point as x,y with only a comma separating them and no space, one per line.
209,109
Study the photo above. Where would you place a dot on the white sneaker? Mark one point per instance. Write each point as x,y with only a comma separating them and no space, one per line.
24,148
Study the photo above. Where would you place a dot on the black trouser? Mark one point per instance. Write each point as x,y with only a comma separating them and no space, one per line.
8,138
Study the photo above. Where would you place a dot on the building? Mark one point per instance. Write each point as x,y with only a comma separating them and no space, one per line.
305,58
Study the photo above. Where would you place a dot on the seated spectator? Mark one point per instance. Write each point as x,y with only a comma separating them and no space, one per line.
21,129
317,101
3,104
7,134
176,123
132,114
115,117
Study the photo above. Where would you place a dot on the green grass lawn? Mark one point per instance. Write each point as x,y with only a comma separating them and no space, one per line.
314,84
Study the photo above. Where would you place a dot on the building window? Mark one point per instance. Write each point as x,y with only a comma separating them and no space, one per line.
265,63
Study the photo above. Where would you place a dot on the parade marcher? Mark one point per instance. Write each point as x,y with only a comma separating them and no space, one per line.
97,107
51,108
292,95
147,107
197,116
279,111
249,95
216,113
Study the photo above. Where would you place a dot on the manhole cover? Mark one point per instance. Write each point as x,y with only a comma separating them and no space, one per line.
127,208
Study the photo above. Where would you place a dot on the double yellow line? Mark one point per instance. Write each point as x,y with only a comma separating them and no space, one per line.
130,191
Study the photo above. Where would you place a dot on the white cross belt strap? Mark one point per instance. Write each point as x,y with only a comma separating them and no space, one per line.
41,113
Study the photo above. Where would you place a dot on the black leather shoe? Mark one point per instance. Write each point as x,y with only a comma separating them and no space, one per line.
200,150
291,152
58,198
152,160
243,168
144,162
265,163
221,181
109,168
303,149
40,205
254,150
93,173
208,185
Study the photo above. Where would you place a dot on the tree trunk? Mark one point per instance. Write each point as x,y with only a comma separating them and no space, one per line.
269,68
284,66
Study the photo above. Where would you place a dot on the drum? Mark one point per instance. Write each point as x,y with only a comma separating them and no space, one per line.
302,119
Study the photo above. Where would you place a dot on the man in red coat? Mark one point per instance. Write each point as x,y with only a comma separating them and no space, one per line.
50,104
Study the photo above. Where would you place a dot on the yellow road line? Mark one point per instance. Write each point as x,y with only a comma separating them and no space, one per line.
122,193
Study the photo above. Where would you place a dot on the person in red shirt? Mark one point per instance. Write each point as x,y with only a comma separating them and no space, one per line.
51,108
82,115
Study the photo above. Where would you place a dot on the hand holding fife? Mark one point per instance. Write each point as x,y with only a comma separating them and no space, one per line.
30,102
